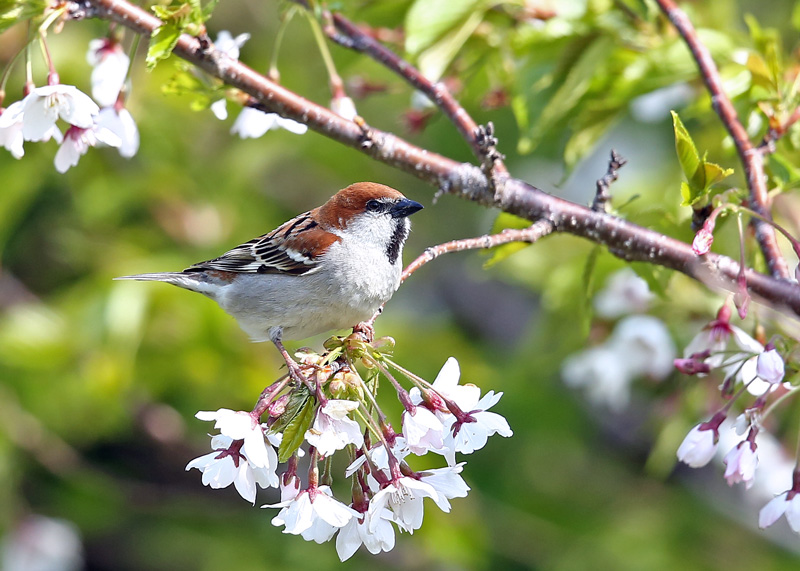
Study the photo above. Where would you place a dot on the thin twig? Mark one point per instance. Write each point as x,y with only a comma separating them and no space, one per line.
602,196
772,136
751,158
349,35
530,235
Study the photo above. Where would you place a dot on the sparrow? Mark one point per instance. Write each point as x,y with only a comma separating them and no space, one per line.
326,269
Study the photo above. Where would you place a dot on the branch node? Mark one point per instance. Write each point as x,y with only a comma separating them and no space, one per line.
82,9
602,196
487,145
367,140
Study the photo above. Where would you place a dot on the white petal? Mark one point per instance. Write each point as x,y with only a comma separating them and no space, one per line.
202,462
448,376
291,125
348,541
770,366
333,511
220,109
245,482
339,409
793,513
253,123
770,513
68,155
108,77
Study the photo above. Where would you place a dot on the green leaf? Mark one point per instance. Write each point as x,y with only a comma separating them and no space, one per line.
700,174
714,173
428,20
657,277
15,11
434,61
294,433
584,138
685,147
162,42
503,221
585,313
178,18
576,84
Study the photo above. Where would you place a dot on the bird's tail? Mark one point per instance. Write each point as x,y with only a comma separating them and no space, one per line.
191,281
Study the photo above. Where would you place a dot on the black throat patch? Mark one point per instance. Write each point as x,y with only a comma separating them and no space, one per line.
396,242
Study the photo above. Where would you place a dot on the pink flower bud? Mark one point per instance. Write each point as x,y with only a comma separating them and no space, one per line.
691,366
702,241
770,366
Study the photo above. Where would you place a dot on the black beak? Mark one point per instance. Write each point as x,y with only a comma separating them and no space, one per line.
404,207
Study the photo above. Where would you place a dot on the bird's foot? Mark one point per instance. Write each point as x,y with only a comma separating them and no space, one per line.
366,330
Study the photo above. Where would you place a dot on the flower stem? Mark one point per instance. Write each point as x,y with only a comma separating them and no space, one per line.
273,73
337,87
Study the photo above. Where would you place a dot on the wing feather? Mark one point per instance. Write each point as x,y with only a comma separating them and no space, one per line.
293,248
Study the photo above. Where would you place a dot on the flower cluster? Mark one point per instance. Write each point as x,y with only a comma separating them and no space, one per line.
753,374
340,414
251,123
35,117
103,118
639,346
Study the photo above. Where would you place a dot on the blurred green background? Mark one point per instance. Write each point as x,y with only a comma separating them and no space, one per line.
99,380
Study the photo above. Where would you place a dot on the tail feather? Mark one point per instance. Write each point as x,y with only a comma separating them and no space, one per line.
192,281
169,277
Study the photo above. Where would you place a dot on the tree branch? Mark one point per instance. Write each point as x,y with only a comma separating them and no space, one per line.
602,195
530,235
350,36
751,158
623,239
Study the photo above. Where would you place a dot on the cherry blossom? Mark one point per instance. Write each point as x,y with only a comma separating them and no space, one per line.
332,429
120,122
625,292
640,345
787,503
45,105
230,46
469,431
643,342
699,446
761,372
423,431
110,68
373,529
448,484
741,464
77,141
313,514
254,123
380,457
715,337
770,367
343,106
404,497
603,372
228,465
240,425
11,129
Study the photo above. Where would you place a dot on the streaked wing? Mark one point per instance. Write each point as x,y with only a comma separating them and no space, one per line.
293,248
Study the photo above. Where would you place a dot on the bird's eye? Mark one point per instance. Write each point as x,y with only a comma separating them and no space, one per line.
374,206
